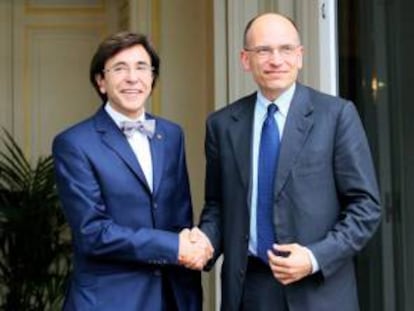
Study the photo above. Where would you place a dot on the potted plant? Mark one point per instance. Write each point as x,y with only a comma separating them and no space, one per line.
34,236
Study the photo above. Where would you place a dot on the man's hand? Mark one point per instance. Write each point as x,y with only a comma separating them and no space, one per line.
194,249
292,268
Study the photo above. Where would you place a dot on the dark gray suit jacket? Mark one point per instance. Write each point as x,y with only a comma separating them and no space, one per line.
326,195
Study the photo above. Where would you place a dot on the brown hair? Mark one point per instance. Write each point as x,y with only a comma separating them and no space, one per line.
114,44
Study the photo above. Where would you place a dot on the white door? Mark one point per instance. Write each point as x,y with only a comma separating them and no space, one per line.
47,47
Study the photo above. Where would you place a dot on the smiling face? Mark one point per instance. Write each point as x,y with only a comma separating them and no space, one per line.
272,54
127,81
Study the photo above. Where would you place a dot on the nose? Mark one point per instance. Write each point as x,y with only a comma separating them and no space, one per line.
276,57
132,75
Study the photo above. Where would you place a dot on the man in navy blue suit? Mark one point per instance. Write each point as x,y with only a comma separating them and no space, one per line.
322,202
123,183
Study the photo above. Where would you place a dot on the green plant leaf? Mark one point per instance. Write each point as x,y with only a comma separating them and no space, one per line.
34,240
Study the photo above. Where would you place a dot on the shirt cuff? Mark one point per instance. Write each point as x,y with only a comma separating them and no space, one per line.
314,262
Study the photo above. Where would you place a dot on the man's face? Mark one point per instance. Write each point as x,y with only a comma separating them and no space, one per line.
273,54
127,81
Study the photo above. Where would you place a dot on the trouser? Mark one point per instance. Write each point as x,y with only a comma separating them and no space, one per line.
261,291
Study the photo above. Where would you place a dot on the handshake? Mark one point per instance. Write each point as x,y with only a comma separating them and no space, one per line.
195,249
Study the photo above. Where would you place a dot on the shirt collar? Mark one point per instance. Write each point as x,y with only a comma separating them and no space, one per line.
119,117
282,102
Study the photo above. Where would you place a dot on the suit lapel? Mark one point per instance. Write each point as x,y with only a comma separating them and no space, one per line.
157,144
240,134
113,138
298,125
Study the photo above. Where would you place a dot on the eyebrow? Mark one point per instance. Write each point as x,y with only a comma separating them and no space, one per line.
141,62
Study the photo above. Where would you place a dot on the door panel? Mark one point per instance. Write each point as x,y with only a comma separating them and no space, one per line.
53,44
5,64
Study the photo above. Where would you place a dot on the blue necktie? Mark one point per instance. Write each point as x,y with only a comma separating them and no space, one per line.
268,156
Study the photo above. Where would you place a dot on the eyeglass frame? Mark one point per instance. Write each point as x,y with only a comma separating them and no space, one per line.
267,51
123,69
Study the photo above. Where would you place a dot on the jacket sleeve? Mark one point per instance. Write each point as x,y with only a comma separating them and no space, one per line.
210,220
357,191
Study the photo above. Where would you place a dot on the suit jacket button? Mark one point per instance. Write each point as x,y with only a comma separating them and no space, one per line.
157,272
154,205
241,273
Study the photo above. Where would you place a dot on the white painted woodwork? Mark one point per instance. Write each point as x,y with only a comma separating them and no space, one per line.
52,44
6,52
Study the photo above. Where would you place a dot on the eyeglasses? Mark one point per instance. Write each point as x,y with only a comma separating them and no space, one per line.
266,51
123,70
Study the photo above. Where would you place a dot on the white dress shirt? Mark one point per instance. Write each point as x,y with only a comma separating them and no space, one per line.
138,142
260,113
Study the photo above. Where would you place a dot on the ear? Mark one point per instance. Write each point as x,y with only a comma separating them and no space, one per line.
244,59
100,80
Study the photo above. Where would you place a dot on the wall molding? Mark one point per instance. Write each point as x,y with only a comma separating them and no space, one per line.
65,7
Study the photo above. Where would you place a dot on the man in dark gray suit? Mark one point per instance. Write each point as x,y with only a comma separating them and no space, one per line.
323,197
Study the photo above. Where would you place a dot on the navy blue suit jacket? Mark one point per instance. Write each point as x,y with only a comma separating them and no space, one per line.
124,236
326,195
